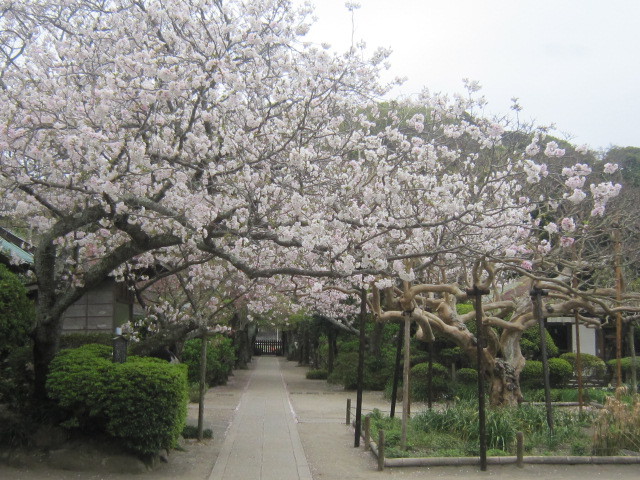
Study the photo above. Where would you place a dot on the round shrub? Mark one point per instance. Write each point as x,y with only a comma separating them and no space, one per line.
467,376
560,372
16,312
592,366
532,375
530,344
625,364
142,402
440,381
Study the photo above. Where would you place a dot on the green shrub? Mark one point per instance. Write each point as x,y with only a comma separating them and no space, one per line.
560,372
16,379
592,366
16,312
467,376
625,364
530,344
191,431
440,382
376,370
318,374
146,404
142,402
532,377
220,359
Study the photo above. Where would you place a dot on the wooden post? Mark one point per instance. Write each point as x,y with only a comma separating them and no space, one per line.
380,450
348,420
430,378
618,271
360,380
536,299
405,379
477,293
578,361
396,372
520,449
367,432
632,352
203,385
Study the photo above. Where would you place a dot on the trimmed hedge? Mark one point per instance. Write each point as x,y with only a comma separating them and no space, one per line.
560,372
318,374
592,366
625,364
142,402
467,376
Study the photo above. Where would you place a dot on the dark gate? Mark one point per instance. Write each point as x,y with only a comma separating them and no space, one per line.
268,347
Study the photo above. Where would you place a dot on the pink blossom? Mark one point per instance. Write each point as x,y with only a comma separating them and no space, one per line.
527,265
568,224
566,241
610,167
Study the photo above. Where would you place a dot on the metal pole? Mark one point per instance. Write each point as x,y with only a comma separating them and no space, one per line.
536,297
396,373
363,315
477,293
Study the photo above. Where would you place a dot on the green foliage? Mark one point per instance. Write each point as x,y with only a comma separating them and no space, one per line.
146,404
318,374
463,308
16,379
592,366
530,344
467,376
560,372
532,377
220,359
440,382
191,431
16,312
142,402
625,364
377,370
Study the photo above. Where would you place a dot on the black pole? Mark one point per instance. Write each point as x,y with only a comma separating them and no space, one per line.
477,292
363,314
396,373
536,298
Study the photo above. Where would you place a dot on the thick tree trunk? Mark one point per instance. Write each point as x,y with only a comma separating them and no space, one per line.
46,339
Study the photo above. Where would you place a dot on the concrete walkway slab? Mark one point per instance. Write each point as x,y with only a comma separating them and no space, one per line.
263,442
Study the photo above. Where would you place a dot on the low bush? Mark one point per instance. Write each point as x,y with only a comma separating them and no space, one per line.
318,374
220,359
142,402
191,431
467,376
592,366
440,382
532,377
625,364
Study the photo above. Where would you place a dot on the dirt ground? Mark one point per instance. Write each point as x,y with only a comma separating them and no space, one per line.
328,443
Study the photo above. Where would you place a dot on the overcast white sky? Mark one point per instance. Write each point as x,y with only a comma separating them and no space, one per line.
575,63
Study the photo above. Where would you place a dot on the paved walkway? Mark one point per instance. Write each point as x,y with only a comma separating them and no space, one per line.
263,441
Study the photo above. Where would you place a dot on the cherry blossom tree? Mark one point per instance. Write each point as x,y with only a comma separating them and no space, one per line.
138,129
